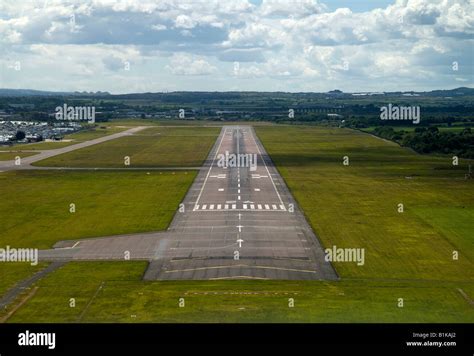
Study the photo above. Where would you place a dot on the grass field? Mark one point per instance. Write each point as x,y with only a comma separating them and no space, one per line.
35,204
7,156
356,206
152,147
114,292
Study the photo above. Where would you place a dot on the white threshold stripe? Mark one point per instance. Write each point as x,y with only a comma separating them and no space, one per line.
239,209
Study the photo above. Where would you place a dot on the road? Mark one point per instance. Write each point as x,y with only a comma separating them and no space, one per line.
236,222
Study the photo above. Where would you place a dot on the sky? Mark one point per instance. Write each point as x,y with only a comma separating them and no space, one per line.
225,45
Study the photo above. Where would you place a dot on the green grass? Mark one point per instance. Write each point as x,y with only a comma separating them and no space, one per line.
7,156
114,292
356,205
455,224
153,147
35,204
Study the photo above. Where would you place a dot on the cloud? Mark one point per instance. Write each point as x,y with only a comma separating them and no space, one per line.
113,63
279,43
184,64
242,55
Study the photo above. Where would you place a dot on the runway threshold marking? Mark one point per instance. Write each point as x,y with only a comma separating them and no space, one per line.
240,207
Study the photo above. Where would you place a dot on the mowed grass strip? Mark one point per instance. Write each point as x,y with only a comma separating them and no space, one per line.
152,147
35,205
8,156
114,292
356,206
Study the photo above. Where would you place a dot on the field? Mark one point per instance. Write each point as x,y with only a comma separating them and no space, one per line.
7,156
152,147
357,205
113,292
35,204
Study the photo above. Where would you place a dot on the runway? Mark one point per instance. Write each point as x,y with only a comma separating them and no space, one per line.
237,221
240,222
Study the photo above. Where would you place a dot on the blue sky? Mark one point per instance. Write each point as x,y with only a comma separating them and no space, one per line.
300,45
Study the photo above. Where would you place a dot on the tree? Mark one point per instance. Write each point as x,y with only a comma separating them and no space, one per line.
20,135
